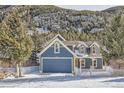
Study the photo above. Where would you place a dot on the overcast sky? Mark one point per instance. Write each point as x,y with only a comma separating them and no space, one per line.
86,7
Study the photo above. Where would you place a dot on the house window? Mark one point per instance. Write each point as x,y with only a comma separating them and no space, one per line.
93,49
56,48
81,49
94,62
82,63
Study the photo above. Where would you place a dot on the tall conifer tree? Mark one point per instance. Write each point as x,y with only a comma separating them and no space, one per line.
14,39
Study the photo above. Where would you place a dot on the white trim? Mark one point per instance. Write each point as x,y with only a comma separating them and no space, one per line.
84,49
97,62
56,40
41,66
82,43
41,70
56,45
93,47
60,37
53,40
95,44
90,57
73,48
73,65
57,57
93,62
81,64
84,63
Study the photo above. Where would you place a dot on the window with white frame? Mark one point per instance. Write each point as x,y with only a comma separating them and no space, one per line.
93,49
82,49
82,63
56,47
94,62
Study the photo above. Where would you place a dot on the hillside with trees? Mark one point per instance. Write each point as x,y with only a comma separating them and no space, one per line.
53,18
44,22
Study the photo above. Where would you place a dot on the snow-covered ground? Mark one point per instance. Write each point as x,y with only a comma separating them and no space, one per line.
62,80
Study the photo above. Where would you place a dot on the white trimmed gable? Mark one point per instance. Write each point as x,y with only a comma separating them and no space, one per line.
52,43
82,44
59,37
94,43
95,48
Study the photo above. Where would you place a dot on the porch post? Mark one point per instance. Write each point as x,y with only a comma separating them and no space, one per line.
73,66
80,65
41,65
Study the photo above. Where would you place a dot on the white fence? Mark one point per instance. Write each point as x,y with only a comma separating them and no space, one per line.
25,70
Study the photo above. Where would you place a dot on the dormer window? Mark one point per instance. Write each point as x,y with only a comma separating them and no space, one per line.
82,49
93,49
56,47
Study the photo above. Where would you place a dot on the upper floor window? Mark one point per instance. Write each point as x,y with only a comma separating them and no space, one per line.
56,47
93,49
82,49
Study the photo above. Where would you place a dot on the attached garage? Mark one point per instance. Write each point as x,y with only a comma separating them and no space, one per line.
56,58
53,65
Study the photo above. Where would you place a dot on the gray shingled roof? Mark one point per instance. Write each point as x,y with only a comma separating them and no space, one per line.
76,43
88,43
71,42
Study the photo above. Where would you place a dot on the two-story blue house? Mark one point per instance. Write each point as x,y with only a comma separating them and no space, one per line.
61,56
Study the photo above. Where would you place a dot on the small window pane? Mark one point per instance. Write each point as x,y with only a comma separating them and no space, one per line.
94,49
56,48
95,63
82,49
82,63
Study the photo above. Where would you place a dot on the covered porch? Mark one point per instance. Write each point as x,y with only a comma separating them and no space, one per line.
88,64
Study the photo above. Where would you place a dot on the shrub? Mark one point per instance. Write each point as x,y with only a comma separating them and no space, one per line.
4,74
118,72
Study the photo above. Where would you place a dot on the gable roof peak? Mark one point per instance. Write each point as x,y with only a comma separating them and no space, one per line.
82,43
50,44
95,44
59,37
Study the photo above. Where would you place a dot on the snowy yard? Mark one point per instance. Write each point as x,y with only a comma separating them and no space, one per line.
62,80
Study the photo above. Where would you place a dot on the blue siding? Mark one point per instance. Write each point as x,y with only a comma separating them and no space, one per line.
57,65
99,63
88,62
63,53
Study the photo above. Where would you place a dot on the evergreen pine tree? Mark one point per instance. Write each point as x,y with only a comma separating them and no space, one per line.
114,37
14,39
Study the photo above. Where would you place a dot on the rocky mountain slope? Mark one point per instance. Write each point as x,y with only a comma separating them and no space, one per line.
52,18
